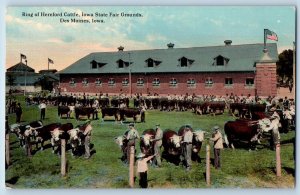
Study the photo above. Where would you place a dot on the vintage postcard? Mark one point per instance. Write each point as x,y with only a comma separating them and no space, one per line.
156,97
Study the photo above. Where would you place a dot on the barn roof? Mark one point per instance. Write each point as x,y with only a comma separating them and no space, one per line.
20,67
201,59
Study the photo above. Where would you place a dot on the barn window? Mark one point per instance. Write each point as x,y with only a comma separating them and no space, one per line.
121,64
249,81
85,82
94,64
152,63
98,82
173,82
184,62
209,82
140,82
111,82
228,81
125,82
72,82
191,82
155,82
220,60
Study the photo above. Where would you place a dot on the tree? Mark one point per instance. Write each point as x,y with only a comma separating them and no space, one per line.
285,64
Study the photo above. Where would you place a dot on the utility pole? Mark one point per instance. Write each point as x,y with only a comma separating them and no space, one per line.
130,86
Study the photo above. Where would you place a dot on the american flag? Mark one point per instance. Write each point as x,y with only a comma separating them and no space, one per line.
271,35
23,56
50,61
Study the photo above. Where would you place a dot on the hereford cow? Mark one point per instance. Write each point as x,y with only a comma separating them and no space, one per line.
172,147
84,111
242,130
129,112
110,112
61,110
44,133
122,142
20,129
58,134
146,143
77,137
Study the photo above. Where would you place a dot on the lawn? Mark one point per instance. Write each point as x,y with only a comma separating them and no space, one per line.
240,168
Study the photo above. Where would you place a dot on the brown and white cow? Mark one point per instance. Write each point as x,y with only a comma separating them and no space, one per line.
146,143
60,133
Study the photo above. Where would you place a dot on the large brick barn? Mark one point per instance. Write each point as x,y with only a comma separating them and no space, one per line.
219,70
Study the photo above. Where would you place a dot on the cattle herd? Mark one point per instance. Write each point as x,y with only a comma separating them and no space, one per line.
256,119
37,133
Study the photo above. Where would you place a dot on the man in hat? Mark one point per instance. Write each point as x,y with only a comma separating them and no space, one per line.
142,168
187,148
87,139
131,137
42,107
274,126
157,145
218,145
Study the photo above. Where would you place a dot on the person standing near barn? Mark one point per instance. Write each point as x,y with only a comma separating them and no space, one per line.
131,137
187,150
143,110
42,107
157,145
142,169
18,113
218,145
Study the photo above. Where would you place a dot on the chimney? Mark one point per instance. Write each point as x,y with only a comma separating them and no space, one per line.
227,42
170,45
121,48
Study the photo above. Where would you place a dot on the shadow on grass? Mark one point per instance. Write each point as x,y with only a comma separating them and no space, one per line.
12,180
289,170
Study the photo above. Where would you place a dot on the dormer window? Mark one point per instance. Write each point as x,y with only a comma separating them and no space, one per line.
122,64
184,62
140,82
95,64
125,82
98,82
85,82
152,63
221,61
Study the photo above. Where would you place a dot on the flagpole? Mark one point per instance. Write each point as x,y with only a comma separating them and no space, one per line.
265,42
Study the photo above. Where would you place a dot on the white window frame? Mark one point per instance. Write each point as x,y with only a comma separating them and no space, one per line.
140,82
209,82
72,82
111,82
98,82
191,82
156,82
249,85
173,82
228,84
85,82
125,82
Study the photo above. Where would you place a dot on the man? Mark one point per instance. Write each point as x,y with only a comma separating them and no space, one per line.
131,137
18,113
42,107
142,168
218,145
187,148
275,130
143,110
157,145
87,139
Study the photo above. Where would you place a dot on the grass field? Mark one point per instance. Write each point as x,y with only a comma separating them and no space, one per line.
240,168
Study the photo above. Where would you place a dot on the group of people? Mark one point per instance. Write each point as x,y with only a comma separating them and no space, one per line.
19,111
143,159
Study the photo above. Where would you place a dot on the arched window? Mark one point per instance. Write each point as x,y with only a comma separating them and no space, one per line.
85,82
98,82
155,82
140,82
72,82
191,82
173,82
125,82
111,82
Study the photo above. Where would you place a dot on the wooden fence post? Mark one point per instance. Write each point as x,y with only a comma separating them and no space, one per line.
278,160
208,165
63,157
131,167
7,149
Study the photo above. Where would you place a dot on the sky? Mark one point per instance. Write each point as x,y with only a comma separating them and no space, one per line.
40,38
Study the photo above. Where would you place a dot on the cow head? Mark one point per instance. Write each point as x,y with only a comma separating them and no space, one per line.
15,128
74,136
30,131
55,134
119,140
175,139
264,123
199,135
147,139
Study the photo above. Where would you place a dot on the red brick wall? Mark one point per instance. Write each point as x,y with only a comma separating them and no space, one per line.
266,79
218,88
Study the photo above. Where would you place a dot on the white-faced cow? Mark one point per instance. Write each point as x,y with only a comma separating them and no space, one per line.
60,133
122,142
146,143
172,147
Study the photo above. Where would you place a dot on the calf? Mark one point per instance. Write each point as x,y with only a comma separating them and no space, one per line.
63,110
